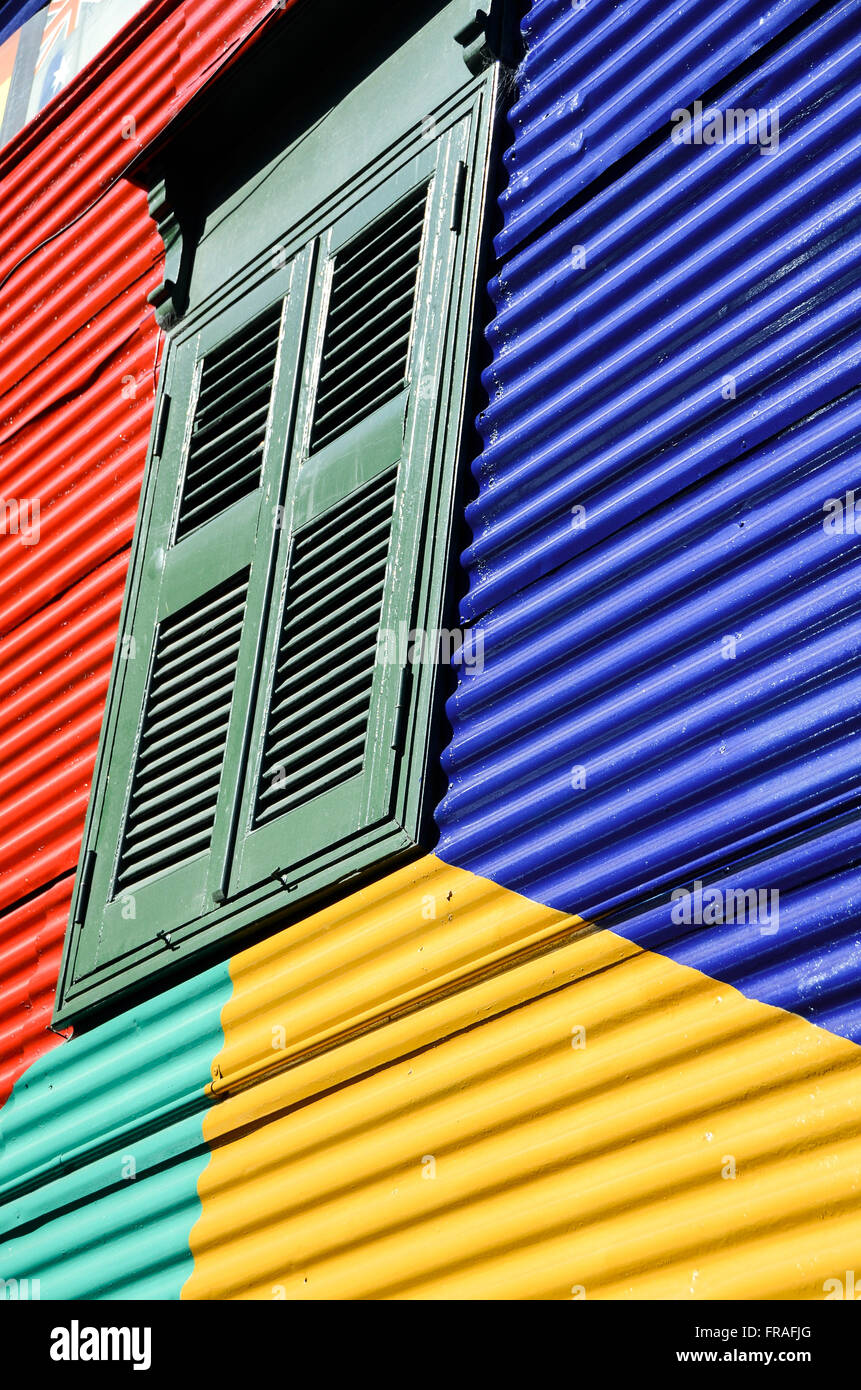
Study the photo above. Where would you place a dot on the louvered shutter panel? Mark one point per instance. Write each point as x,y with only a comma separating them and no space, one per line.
298,504
319,709
183,738
187,669
225,454
369,320
321,785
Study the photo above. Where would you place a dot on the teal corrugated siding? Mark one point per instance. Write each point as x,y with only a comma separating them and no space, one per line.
101,1147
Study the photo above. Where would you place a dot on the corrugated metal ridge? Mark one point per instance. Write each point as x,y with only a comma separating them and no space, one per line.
553,1165
600,82
31,943
581,409
812,965
677,545
388,963
87,504
524,678
133,364
57,647
52,692
661,551
78,330
670,689
101,1146
52,689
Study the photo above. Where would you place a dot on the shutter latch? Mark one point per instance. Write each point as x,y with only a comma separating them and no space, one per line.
401,705
458,197
87,868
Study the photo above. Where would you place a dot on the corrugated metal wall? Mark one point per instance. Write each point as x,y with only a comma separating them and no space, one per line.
440,1086
101,1148
437,1089
78,255
31,943
671,634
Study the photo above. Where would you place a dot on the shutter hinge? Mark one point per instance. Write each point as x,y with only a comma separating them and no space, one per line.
161,425
491,36
86,884
285,879
401,705
458,198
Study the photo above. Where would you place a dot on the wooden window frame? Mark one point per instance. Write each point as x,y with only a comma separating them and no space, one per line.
248,882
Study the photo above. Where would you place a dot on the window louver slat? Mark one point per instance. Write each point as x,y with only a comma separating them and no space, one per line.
309,552
159,806
252,380
199,752
348,661
326,656
370,380
228,432
376,240
360,307
329,640
369,328
228,436
316,711
369,321
222,497
178,767
355,575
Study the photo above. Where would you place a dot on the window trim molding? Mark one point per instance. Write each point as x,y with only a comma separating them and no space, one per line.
261,905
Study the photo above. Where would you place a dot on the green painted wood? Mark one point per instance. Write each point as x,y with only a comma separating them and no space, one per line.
334,487
137,917
253,867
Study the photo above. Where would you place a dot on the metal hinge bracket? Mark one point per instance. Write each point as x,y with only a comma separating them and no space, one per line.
491,36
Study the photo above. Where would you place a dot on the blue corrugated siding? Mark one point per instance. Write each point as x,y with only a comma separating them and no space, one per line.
693,387
599,84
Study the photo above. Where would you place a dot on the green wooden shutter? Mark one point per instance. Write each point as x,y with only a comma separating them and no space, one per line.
228,433
331,723
177,775
319,708
298,504
185,667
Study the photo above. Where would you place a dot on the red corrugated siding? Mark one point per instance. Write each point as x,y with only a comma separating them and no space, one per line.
53,682
76,393
31,942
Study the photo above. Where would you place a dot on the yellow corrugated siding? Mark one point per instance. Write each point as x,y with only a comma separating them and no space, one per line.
430,1017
